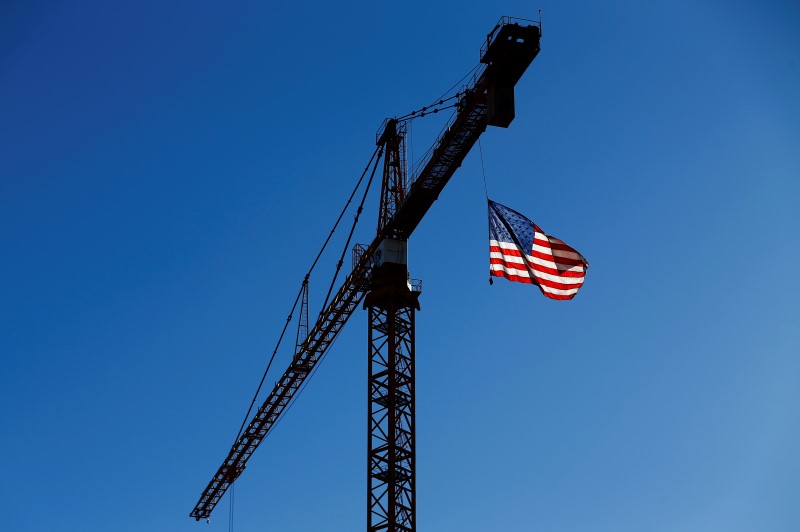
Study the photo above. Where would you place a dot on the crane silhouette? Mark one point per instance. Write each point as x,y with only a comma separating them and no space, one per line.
380,279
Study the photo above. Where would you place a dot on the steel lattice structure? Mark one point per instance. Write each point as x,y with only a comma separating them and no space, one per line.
487,100
393,187
391,477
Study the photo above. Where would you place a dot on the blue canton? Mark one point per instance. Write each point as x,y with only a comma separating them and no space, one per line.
522,227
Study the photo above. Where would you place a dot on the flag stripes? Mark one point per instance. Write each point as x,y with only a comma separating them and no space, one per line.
521,252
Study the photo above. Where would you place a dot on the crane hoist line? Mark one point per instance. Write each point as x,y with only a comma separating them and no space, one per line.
379,278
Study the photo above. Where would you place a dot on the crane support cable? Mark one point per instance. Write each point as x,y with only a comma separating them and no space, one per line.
472,71
352,229
377,153
304,285
271,359
441,99
429,109
319,339
313,349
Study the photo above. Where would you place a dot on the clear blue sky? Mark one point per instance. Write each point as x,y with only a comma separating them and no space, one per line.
169,169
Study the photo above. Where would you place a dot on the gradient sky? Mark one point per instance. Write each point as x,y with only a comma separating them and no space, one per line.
169,169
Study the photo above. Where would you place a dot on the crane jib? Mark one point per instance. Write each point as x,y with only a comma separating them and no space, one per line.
509,49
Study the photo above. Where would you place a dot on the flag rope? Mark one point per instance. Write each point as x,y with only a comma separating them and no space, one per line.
486,192
483,170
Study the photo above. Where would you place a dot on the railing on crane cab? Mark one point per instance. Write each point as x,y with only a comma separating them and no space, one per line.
415,285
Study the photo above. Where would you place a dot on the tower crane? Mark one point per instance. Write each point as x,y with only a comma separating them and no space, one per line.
380,279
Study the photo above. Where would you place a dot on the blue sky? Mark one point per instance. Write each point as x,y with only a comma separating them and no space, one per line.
168,171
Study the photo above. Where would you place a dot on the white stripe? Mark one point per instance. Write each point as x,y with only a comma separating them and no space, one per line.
558,279
553,240
556,252
559,266
503,245
512,271
559,292
507,258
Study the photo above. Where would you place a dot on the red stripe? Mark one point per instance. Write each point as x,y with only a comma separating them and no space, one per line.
514,265
564,261
527,280
546,282
538,268
554,271
510,277
555,245
505,251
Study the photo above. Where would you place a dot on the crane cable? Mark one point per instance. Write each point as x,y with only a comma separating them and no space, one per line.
378,152
483,170
316,365
427,109
431,108
304,286
486,191
456,84
352,229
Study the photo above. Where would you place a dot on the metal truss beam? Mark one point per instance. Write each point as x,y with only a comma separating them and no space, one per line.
391,478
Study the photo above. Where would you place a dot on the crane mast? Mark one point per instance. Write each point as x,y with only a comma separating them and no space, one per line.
391,303
380,278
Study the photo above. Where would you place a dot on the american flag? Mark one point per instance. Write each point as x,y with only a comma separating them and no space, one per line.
520,251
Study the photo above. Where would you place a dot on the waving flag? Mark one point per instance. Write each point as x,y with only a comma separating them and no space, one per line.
520,251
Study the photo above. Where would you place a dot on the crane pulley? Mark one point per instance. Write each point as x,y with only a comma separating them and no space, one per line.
488,100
